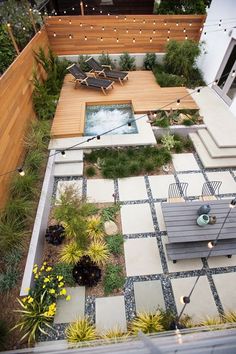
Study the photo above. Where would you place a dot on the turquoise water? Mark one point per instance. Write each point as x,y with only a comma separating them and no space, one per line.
100,119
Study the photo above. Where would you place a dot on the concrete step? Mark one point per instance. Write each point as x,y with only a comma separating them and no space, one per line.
214,150
70,156
207,160
68,169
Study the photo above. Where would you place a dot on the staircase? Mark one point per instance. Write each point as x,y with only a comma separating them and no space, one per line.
69,165
215,145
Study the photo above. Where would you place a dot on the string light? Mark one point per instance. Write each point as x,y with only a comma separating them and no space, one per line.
98,137
91,27
144,22
177,23
70,22
73,9
100,11
168,30
150,40
85,38
21,171
54,34
127,31
114,29
93,9
198,90
70,36
186,37
103,28
184,299
81,24
165,23
178,102
140,31
233,73
125,18
101,39
117,40
133,40
190,24
215,82
59,20
211,244
64,12
116,16
63,153
134,20
168,38
154,22
184,30
153,31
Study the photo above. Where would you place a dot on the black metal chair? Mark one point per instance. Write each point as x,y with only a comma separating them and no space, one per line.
210,190
177,192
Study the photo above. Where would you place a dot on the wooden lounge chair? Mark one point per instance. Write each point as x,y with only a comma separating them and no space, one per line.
84,80
105,70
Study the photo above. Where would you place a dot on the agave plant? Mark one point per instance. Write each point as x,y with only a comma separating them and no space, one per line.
55,234
71,253
86,272
80,331
95,228
98,252
147,323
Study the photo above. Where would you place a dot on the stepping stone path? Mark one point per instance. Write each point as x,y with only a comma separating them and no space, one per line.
110,313
70,311
148,296
225,285
136,218
100,190
185,162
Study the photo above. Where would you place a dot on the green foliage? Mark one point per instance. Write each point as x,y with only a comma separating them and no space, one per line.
179,148
168,141
113,278
147,323
90,171
126,62
162,123
115,244
33,160
149,61
98,252
188,122
80,331
24,187
187,7
70,253
95,228
229,317
109,213
7,52
82,63
166,79
65,270
18,207
12,233
8,279
38,136
115,333
3,334
104,59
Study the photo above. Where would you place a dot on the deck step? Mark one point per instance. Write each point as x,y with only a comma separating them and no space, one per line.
214,150
68,169
206,159
70,156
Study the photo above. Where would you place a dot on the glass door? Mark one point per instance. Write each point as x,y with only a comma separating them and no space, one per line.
226,86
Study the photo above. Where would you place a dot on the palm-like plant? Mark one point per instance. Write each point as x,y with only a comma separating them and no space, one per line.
36,314
98,252
80,331
71,253
147,323
95,228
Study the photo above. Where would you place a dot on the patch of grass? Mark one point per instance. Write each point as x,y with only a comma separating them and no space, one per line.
113,279
90,171
188,122
115,244
162,123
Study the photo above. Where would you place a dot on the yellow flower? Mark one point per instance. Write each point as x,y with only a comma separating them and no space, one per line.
42,268
36,276
60,284
68,298
44,286
35,270
46,280
59,277
30,300
44,263
24,299
63,292
48,269
52,291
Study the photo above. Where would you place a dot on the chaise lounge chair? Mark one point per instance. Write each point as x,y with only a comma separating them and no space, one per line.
84,80
106,71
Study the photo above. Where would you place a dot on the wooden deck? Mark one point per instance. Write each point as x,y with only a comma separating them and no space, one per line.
141,90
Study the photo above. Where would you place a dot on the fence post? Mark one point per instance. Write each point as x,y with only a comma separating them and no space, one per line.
13,38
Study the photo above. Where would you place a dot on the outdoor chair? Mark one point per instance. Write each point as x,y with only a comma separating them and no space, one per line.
82,79
177,192
105,70
210,190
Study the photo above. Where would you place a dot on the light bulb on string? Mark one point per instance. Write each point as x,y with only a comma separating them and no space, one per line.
103,28
21,171
233,203
101,39
184,300
116,16
215,82
55,13
73,9
70,36
127,31
125,18
133,40
200,29
233,73
114,29
184,30
93,9
144,22
190,24
134,20
59,20
117,40
165,23
154,22
178,102
140,31
65,12
168,38
85,38
81,24
198,90
168,30
205,33
150,40
186,37
63,153
98,137
86,5
154,32
129,124
54,34
108,14
210,244
91,27
177,23
100,11
225,30
70,22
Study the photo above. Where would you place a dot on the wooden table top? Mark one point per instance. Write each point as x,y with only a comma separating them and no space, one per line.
181,221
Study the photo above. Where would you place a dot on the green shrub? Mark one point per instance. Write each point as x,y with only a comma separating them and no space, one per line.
147,323
168,141
179,148
24,187
188,122
134,167
7,52
34,159
65,270
162,123
149,61
11,234
195,78
113,278
104,59
8,279
90,171
165,154
169,80
126,62
82,63
115,244
109,213
169,7
149,165
3,334
38,135
44,103
13,257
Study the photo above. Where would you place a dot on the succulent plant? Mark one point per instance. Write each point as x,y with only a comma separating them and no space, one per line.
55,234
86,272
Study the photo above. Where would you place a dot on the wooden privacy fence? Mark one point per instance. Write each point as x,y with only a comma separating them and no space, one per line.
70,35
16,109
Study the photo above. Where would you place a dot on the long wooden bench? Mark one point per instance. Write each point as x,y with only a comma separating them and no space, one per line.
187,250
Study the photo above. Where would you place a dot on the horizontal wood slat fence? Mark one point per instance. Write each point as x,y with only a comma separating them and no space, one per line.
70,35
16,108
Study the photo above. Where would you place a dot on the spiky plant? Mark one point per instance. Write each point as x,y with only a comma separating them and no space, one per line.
98,252
12,234
211,321
229,316
70,253
115,333
80,331
95,228
147,323
38,135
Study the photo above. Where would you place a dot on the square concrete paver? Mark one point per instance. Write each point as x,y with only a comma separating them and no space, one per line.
148,296
69,311
160,218
142,256
160,185
228,183
195,182
100,190
185,162
181,265
132,188
136,218
221,261
110,313
202,302
225,285
62,185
